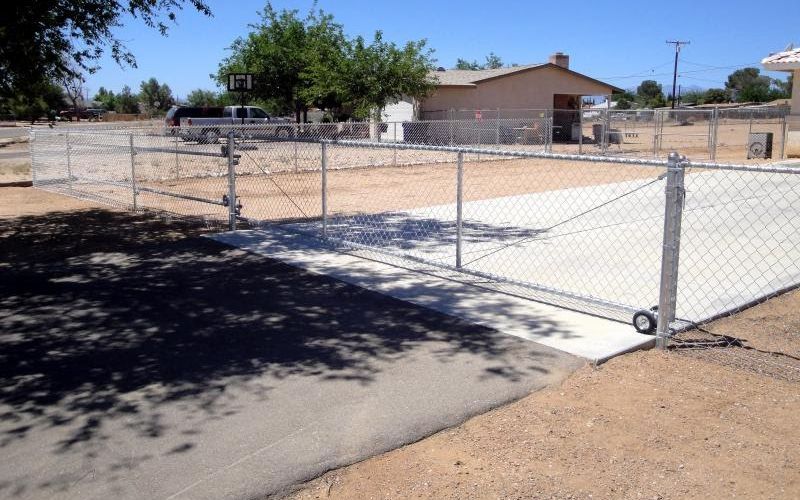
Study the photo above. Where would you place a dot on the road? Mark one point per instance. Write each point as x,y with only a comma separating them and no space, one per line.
8,132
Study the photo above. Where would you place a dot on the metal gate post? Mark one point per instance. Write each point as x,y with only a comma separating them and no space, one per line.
459,206
231,183
69,163
673,213
133,172
324,190
580,124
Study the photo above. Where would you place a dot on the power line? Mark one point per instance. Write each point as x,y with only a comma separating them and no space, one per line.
677,44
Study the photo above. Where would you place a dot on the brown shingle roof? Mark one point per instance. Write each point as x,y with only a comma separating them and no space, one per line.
468,77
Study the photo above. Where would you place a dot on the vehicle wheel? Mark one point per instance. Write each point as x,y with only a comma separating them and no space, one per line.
211,136
645,322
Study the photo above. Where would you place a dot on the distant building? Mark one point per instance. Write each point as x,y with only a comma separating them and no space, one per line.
546,86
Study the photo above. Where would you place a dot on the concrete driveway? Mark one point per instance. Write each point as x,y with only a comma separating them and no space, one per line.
136,363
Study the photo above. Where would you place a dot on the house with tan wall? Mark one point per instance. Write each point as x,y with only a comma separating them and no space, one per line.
547,86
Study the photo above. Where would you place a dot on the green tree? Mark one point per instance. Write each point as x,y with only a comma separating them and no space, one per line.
781,89
748,85
649,94
301,62
106,98
624,103
200,97
493,61
464,64
45,99
127,102
155,96
49,40
281,53
716,96
381,72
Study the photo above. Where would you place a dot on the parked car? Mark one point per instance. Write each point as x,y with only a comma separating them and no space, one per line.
80,114
208,124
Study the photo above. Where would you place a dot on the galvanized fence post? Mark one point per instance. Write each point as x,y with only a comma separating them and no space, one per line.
673,213
497,128
713,132
783,137
231,182
459,206
394,140
177,161
580,135
69,163
324,155
133,172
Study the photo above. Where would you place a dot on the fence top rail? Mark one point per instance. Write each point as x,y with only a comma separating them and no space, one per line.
766,169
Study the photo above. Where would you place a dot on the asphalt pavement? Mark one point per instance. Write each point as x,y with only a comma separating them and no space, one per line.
138,364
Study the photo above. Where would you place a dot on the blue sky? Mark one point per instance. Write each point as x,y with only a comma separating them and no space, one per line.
620,42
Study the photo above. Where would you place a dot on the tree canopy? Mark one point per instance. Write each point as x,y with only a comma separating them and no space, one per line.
493,61
300,62
749,85
155,96
51,39
650,94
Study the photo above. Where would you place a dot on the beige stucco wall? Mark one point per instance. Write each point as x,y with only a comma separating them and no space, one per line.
529,89
793,121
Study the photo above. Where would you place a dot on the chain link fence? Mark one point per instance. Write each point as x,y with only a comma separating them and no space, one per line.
747,134
610,236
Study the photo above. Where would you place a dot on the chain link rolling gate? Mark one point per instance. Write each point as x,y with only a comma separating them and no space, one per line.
609,236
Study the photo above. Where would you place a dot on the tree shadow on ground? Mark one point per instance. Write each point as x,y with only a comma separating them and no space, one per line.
96,306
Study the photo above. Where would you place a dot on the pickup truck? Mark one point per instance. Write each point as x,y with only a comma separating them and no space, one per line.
210,123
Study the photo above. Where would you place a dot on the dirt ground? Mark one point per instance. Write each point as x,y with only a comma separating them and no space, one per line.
15,163
679,424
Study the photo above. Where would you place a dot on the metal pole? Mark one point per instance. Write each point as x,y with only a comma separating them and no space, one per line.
324,190
580,135
295,156
177,162
673,213
783,137
133,173
459,206
497,128
231,183
69,163
394,140
713,133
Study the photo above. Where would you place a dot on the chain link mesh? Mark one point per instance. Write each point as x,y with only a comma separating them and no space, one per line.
479,200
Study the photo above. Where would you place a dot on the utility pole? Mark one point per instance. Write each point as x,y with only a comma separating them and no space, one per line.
677,44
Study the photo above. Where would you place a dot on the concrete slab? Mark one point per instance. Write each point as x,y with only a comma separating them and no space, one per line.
590,337
739,240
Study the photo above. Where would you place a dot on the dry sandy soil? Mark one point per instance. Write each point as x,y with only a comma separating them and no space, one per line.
15,164
681,424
